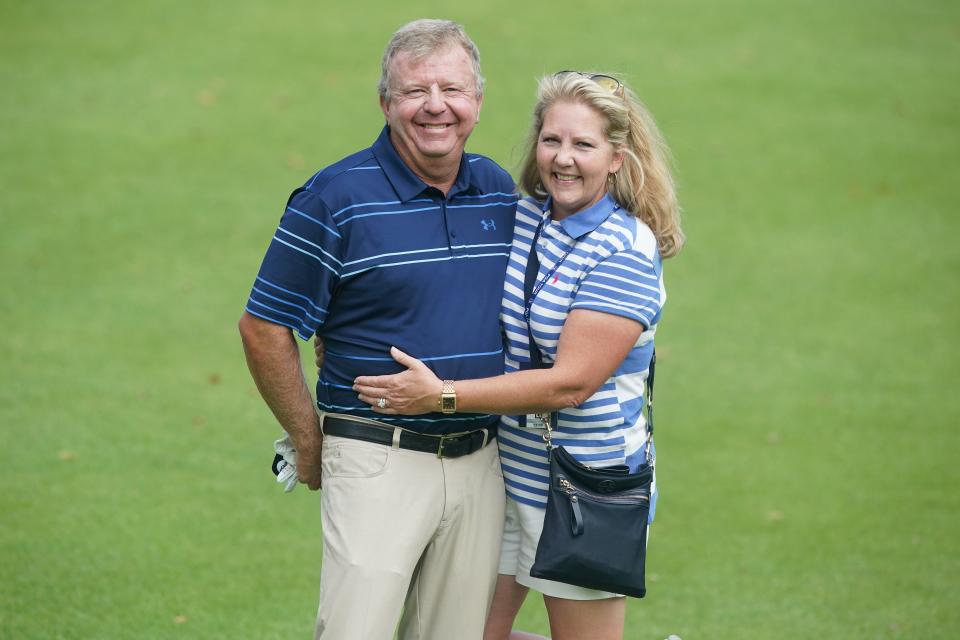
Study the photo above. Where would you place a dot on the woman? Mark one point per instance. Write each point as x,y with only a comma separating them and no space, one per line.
602,212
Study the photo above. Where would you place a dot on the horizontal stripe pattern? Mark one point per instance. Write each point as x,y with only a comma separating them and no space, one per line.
368,256
612,268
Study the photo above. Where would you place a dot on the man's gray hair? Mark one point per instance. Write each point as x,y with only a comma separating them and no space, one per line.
422,37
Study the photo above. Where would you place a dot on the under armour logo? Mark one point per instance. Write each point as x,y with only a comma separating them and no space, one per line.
489,225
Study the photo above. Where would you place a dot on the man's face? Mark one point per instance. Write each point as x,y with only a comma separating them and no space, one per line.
432,109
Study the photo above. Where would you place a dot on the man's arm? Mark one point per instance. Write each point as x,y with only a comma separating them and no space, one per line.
274,363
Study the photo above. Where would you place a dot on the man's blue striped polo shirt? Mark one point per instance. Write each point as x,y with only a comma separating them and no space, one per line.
368,256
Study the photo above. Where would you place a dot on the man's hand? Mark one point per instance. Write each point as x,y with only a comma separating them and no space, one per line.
308,461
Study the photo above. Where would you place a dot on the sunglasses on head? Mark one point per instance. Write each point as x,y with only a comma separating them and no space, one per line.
609,83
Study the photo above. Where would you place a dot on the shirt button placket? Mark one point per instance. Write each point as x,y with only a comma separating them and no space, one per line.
451,231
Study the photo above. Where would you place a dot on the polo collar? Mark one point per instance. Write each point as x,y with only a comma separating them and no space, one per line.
404,181
583,222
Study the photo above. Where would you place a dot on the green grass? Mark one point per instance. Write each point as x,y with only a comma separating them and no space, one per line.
807,409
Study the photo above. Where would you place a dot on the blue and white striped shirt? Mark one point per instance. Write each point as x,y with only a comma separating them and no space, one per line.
368,256
613,266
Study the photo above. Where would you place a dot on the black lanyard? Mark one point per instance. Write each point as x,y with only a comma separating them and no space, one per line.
530,290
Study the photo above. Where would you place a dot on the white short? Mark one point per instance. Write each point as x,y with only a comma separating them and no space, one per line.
521,533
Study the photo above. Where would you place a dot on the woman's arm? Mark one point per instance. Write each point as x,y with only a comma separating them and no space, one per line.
592,345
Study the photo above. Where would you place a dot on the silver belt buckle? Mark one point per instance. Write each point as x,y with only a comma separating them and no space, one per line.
440,446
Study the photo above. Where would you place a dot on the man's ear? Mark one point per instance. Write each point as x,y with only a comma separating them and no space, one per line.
385,107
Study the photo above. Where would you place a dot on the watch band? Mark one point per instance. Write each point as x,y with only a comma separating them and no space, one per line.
448,397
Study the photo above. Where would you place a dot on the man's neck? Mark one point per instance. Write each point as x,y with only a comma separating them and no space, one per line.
442,185
440,174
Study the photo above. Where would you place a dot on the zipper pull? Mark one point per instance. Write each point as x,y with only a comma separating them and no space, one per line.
576,525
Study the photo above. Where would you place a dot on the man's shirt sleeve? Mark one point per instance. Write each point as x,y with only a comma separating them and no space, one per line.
301,267
628,284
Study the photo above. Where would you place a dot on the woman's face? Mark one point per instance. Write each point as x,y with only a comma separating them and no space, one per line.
574,157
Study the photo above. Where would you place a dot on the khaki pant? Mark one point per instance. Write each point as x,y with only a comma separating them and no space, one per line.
407,537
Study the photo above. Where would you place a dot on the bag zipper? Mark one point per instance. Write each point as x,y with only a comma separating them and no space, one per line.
633,497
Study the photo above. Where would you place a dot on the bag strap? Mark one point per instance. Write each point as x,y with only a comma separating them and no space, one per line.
653,368
529,278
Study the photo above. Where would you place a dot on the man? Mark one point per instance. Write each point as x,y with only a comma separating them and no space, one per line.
403,244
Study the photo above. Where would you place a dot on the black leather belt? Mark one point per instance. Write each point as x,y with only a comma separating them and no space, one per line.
452,446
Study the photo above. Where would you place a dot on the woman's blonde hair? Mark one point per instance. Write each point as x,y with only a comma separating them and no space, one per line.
644,184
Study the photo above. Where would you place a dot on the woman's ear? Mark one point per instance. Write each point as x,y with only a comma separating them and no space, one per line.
617,162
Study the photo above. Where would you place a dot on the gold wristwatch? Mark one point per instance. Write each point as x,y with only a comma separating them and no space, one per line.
448,398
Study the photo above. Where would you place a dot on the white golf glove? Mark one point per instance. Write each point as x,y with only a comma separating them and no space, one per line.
285,464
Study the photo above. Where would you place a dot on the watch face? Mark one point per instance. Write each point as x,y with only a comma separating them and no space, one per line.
448,404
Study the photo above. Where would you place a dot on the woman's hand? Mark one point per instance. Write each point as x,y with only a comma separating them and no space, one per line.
319,351
411,392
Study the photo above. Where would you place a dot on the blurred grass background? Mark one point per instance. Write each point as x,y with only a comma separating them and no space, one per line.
807,409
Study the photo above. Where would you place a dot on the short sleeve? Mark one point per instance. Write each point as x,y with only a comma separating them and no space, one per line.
301,267
628,283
